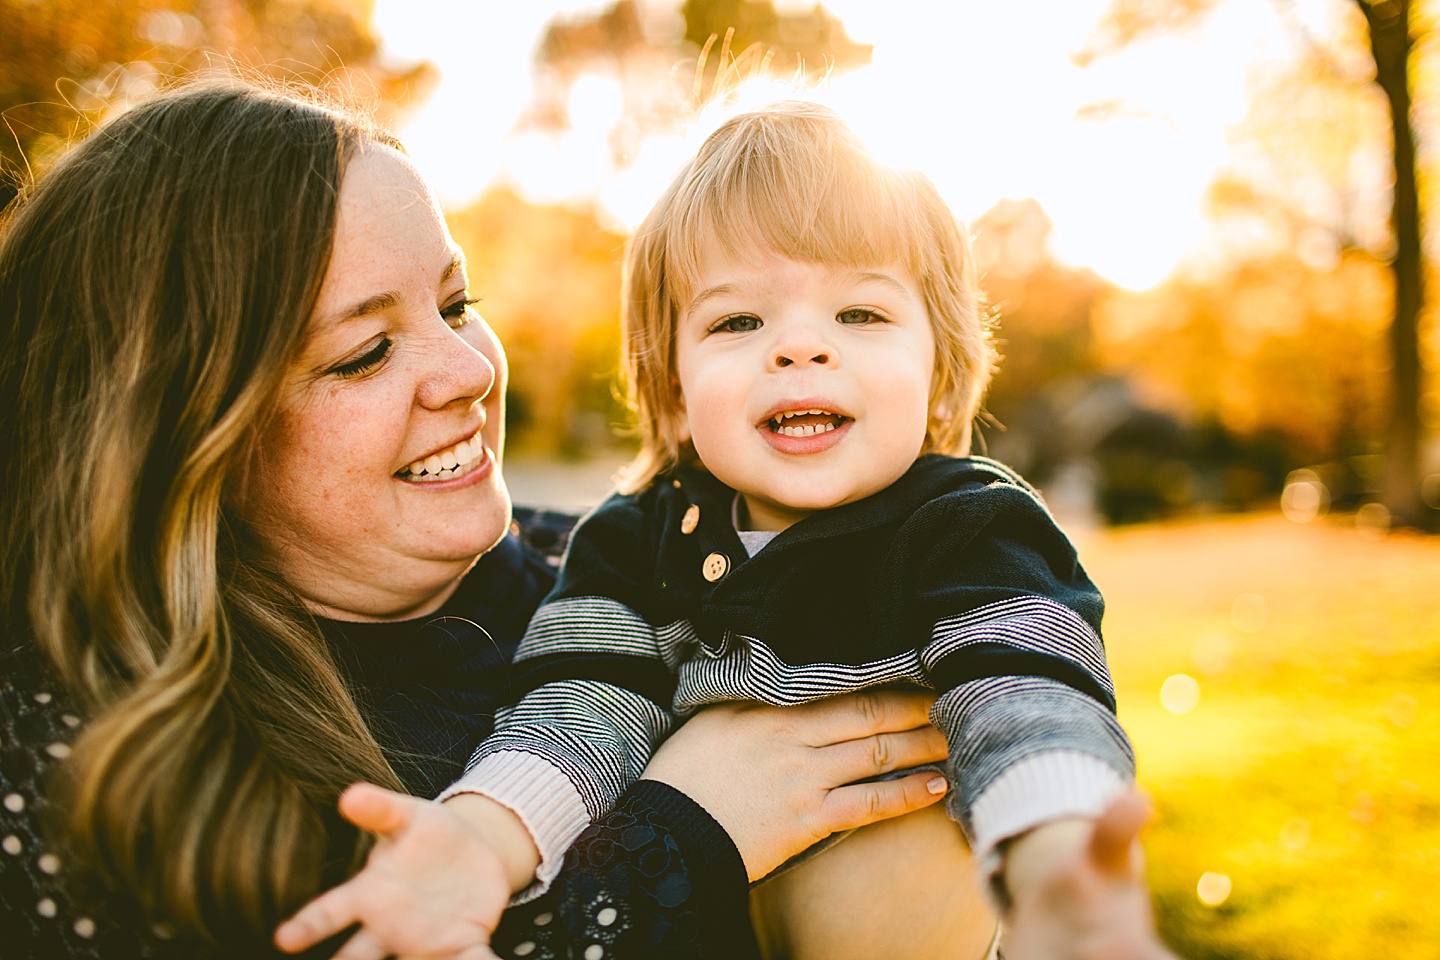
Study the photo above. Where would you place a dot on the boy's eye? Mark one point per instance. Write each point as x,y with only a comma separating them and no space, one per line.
362,363
859,315
739,323
457,314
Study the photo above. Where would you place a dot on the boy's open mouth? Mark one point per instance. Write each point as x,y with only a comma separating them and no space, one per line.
804,423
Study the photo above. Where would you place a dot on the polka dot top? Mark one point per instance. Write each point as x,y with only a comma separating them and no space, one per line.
657,877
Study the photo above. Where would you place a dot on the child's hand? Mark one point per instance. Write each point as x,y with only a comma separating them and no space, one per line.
432,887
1078,892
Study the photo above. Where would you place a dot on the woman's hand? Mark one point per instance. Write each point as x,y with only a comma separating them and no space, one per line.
780,778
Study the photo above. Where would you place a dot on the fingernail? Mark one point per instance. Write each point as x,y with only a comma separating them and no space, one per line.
936,785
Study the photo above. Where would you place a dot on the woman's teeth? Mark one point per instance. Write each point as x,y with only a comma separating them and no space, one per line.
447,463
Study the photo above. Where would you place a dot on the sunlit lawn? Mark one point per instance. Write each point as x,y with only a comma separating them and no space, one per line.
1309,772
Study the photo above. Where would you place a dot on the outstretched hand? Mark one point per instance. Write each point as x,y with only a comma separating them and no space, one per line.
1078,891
431,888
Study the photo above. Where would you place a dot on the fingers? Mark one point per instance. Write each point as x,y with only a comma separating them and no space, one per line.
364,945
864,714
322,917
860,804
376,809
368,807
477,953
1112,843
881,753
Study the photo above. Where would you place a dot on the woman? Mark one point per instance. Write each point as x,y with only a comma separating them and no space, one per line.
257,433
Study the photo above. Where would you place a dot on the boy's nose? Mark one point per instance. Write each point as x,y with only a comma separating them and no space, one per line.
783,360
803,339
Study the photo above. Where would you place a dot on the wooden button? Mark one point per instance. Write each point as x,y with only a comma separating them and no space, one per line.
715,566
691,520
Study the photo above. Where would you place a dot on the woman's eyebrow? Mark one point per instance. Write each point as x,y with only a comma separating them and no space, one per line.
457,262
381,301
384,301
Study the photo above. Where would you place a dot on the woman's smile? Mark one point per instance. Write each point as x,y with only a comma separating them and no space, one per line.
454,461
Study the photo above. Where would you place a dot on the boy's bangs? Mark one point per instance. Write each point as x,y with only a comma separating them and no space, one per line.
849,211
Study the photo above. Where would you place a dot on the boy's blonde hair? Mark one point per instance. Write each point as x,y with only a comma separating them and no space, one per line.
794,179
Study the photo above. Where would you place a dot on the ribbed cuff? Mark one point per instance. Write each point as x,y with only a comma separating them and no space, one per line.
1038,789
544,799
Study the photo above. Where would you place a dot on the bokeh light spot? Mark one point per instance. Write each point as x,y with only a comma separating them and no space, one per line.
1213,889
1295,835
1401,709
1180,693
1373,519
1430,491
1249,613
1305,496
1211,653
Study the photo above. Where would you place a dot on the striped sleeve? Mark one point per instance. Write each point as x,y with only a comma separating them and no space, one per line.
560,758
1027,704
591,685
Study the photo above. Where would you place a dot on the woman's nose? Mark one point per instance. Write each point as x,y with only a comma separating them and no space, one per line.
459,372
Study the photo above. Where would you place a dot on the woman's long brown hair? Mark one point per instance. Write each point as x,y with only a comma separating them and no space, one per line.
154,285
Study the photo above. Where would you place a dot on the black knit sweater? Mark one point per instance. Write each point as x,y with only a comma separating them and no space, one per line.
657,877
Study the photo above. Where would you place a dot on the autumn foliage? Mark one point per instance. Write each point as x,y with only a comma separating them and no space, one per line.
63,63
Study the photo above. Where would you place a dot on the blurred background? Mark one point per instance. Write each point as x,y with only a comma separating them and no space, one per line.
1202,225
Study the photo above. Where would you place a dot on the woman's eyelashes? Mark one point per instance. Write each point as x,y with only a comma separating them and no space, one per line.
457,314
364,362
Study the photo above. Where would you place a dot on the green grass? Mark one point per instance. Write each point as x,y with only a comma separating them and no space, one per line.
1309,772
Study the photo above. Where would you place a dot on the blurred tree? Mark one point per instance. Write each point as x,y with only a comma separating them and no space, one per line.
1263,347
1043,332
1096,423
795,40
563,337
64,62
1391,38
714,43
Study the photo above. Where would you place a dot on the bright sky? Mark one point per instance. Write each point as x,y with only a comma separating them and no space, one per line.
982,96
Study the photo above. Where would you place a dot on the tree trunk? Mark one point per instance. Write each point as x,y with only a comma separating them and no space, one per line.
1390,43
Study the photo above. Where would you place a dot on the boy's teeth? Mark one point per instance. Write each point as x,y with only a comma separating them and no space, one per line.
779,423
809,430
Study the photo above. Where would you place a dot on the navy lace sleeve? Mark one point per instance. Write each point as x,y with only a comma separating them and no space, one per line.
40,914
657,877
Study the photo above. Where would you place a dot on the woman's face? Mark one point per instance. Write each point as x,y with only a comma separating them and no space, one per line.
378,481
